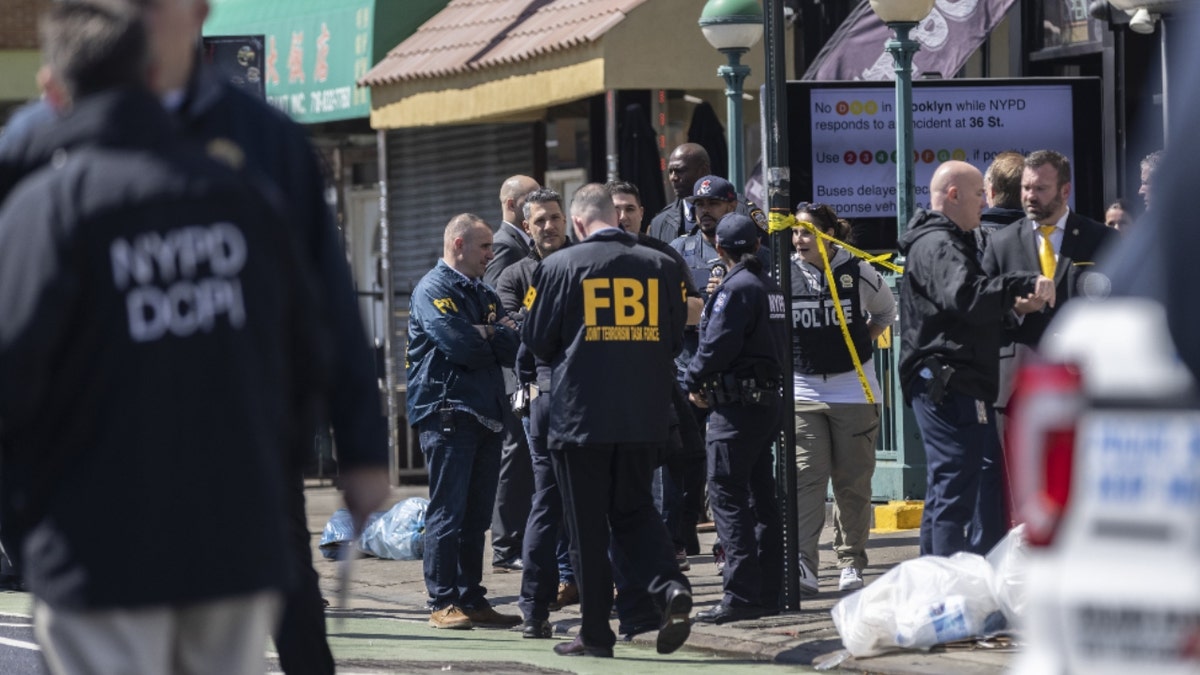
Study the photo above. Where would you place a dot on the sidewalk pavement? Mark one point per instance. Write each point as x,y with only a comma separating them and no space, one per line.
805,637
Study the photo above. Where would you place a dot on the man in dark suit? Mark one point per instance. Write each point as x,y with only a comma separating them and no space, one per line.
1050,239
510,243
689,163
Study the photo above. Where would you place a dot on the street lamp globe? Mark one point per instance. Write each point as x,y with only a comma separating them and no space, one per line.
901,11
733,27
732,24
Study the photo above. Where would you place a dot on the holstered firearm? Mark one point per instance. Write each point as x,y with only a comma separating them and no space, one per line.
936,386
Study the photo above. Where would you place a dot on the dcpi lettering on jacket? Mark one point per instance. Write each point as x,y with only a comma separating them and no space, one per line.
181,281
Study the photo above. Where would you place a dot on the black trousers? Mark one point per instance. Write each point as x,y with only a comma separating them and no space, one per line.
606,491
514,494
300,637
741,491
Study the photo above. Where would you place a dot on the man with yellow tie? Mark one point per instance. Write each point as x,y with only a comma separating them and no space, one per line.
1050,239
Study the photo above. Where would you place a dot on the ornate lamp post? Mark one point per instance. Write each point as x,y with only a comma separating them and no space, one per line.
902,16
904,476
733,27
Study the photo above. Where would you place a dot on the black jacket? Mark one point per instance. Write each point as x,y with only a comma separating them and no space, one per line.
670,223
157,348
1015,249
743,333
608,315
995,218
509,247
271,145
949,308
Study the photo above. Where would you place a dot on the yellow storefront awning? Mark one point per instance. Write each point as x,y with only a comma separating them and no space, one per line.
496,61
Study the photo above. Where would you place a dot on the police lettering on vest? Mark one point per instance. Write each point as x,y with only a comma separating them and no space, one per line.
181,281
819,346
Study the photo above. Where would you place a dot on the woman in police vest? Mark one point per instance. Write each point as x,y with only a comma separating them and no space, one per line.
836,389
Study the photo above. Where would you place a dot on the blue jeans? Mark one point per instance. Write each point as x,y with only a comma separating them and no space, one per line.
964,495
464,467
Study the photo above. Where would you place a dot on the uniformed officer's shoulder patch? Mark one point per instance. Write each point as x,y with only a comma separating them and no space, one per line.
757,215
719,303
530,296
846,281
445,305
225,150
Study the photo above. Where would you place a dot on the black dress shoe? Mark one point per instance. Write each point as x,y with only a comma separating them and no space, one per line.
723,613
537,629
514,565
676,626
576,647
628,632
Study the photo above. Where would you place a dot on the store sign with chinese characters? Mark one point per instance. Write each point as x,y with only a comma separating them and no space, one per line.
312,59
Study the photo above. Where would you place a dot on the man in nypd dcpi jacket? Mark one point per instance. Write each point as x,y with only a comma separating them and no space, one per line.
458,339
158,345
264,143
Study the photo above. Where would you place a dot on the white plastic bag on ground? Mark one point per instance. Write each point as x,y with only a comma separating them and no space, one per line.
918,604
400,533
339,531
1008,559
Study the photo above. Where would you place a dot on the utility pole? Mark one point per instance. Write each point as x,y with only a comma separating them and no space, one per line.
778,180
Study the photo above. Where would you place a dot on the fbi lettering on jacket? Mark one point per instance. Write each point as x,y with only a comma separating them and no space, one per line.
620,309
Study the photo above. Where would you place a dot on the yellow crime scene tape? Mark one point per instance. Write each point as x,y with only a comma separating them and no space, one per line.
781,222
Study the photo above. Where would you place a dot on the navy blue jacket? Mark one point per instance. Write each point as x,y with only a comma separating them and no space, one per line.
700,257
608,315
226,119
266,145
156,349
448,361
743,330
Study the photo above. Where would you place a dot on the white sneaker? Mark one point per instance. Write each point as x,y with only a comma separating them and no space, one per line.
851,579
808,581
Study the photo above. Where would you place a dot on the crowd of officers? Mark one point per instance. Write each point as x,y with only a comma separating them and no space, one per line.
629,351
166,251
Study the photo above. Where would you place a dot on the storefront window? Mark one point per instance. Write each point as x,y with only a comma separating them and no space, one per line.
1066,22
568,144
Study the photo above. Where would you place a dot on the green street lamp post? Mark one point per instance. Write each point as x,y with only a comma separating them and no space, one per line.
900,469
733,27
902,16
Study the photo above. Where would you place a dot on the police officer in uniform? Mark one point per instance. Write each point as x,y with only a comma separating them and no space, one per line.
712,198
736,373
608,316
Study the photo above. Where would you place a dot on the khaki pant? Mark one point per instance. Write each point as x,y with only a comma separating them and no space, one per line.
835,441
222,637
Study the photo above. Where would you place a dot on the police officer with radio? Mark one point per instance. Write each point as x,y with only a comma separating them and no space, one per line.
712,199
736,373
608,316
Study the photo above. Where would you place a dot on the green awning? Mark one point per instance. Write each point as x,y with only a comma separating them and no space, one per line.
317,49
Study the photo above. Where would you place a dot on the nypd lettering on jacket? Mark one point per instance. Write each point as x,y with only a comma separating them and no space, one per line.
181,281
